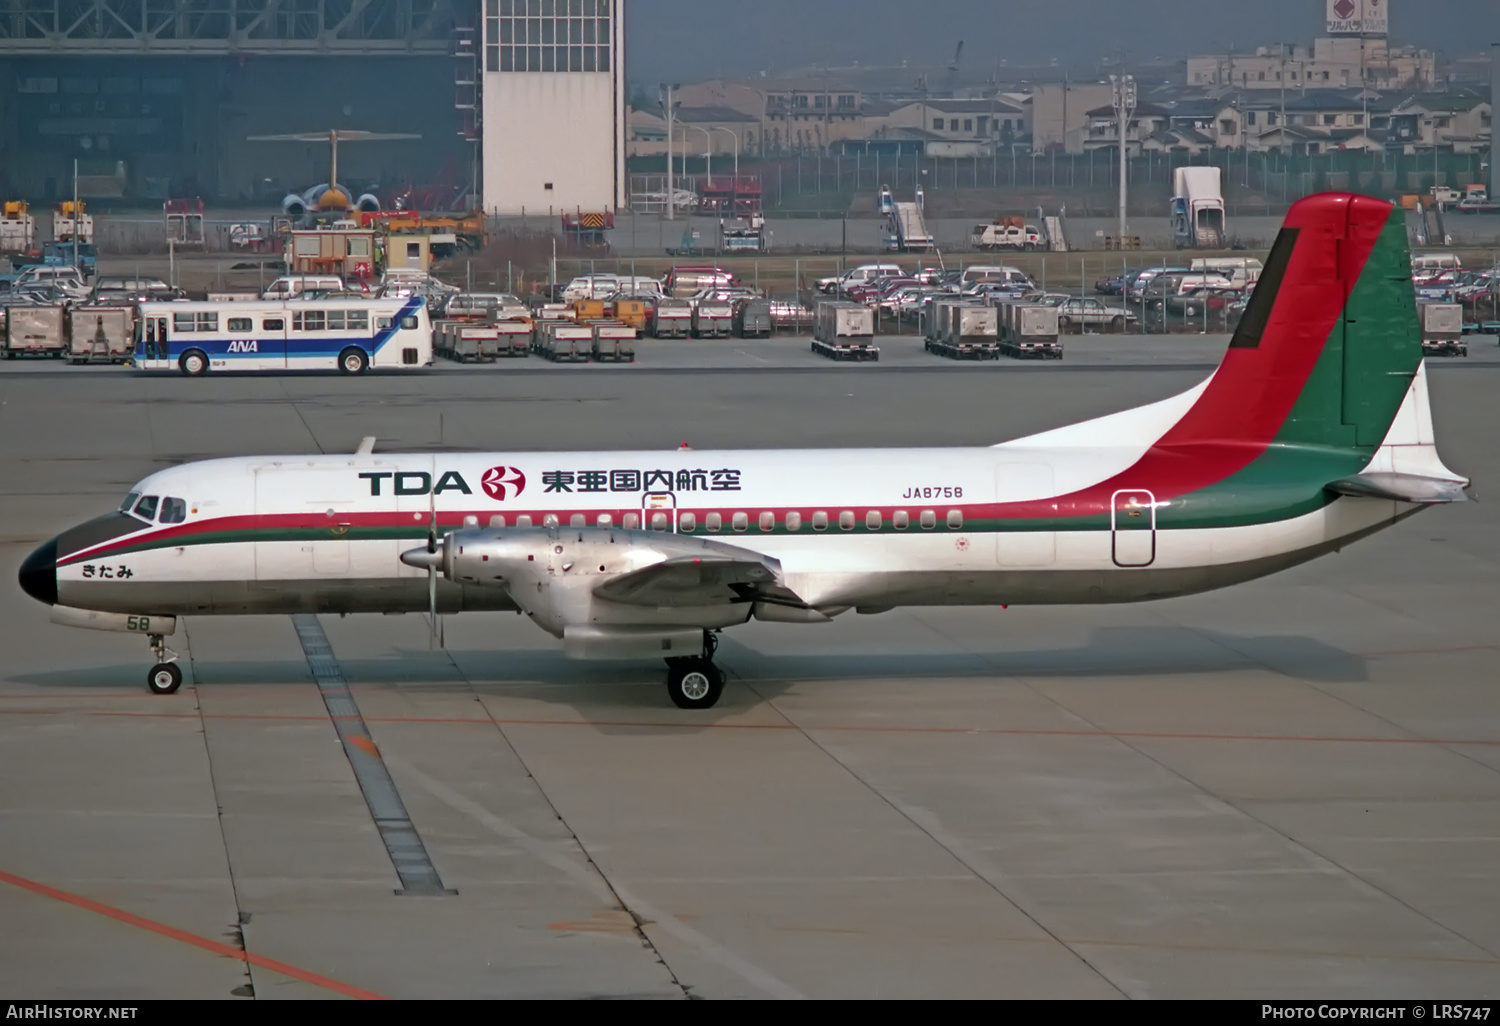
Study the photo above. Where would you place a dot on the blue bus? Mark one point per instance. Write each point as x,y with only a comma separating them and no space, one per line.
348,335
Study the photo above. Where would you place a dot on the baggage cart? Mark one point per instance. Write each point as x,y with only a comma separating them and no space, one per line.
1442,329
36,331
565,341
614,342
672,318
101,334
752,319
789,317
510,339
966,331
845,331
713,319
1029,331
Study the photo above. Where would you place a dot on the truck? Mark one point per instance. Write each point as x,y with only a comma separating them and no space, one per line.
69,219
1442,329
70,254
1198,208
1477,201
845,331
1007,232
17,227
744,235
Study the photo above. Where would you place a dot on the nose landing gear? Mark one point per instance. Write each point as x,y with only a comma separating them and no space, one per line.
166,676
696,683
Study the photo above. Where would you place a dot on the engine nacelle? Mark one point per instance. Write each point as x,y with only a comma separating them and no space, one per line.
552,574
294,206
369,203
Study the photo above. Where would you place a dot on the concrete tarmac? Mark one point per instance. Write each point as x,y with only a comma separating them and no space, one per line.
1290,789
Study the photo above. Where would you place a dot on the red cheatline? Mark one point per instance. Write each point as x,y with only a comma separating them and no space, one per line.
131,919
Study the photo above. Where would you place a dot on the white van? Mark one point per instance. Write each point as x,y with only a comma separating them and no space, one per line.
1242,272
591,286
982,274
858,276
291,285
1427,263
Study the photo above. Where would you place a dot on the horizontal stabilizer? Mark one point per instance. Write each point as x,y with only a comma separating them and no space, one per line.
1422,491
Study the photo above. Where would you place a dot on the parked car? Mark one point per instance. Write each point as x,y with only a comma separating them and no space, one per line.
1114,285
1079,315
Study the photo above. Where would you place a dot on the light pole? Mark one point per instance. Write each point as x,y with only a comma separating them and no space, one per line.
671,189
736,137
708,147
1122,88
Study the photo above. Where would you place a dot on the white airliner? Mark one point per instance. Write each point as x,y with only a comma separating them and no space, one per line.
1314,432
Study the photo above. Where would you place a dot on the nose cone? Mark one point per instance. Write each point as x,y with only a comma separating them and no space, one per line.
39,574
424,560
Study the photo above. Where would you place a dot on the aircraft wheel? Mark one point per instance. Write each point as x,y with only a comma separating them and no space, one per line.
694,683
164,679
194,363
353,361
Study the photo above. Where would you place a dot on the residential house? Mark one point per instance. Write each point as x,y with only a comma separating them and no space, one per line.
1462,120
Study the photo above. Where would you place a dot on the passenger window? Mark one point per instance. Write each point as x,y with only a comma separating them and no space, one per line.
521,522
742,522
358,320
173,511
929,520
335,320
632,521
846,521
550,520
901,520
208,322
497,523
312,320
714,523
182,322
146,508
873,520
820,521
129,503
605,520
688,522
794,521
383,323
659,521
240,325
578,520
955,520
408,324
768,522
273,324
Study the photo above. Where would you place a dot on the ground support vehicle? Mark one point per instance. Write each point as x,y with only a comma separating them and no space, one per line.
564,341
614,342
1029,331
752,319
101,334
635,312
69,220
966,331
1198,208
713,319
672,318
465,341
845,331
36,331
17,227
511,339
1442,329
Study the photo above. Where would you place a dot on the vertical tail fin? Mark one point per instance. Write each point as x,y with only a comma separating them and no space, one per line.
1330,343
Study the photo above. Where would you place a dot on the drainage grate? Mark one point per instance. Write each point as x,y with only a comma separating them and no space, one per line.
402,842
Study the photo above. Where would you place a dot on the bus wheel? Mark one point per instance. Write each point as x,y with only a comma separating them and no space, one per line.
353,361
194,363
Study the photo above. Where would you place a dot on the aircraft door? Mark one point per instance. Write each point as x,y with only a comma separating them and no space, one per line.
1132,524
659,512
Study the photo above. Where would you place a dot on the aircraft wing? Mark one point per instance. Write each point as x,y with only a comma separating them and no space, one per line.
1413,488
699,581
323,137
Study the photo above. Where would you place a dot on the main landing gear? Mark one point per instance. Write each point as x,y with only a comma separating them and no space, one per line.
696,683
166,676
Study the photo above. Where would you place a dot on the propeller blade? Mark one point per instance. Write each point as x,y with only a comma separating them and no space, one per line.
432,547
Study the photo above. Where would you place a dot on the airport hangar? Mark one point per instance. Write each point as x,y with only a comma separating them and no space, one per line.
522,99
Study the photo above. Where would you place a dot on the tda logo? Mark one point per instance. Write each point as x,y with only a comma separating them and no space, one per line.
415,483
503,483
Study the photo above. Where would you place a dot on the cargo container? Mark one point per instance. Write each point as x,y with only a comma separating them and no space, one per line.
672,318
967,331
790,317
752,319
713,318
1442,329
614,342
36,331
564,341
465,341
101,334
1029,331
845,331
634,312
511,338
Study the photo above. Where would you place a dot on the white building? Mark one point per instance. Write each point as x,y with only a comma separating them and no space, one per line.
553,88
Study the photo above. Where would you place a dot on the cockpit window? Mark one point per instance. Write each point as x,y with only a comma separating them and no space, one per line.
129,503
173,511
146,508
